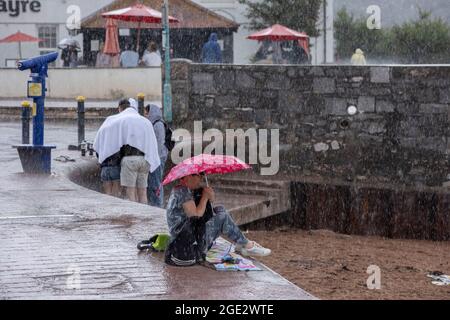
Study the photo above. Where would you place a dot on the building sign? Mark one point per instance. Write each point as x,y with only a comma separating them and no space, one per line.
15,7
124,32
95,45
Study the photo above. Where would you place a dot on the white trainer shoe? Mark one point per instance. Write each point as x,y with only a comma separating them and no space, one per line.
255,251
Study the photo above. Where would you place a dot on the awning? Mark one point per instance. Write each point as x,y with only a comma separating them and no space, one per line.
189,14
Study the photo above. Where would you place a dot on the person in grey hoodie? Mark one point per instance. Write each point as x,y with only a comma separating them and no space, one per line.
155,192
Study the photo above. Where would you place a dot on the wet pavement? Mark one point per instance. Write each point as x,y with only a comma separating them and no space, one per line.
59,240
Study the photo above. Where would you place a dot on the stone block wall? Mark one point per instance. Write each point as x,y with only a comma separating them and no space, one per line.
400,134
388,211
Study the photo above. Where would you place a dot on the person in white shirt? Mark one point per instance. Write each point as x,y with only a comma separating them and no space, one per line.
129,58
134,138
151,57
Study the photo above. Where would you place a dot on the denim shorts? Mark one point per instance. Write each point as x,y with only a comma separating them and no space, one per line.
110,174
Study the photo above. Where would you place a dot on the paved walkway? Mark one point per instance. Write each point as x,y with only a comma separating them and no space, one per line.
61,241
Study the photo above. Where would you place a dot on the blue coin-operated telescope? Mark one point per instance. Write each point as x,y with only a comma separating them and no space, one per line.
36,158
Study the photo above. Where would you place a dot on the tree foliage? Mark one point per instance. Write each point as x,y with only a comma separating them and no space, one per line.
352,33
300,15
422,41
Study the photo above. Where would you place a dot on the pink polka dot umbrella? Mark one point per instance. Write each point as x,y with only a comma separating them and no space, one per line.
207,164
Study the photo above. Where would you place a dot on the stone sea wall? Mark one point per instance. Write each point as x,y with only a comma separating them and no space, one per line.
400,134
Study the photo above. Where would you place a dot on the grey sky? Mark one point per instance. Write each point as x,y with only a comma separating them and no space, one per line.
396,11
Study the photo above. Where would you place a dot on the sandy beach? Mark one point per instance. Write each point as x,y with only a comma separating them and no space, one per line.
333,266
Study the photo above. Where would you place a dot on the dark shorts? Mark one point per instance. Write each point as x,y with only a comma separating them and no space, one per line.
110,174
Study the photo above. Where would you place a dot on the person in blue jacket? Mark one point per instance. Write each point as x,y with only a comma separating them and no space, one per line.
212,53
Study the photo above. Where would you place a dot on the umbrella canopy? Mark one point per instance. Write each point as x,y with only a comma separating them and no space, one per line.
112,38
207,164
138,13
278,32
20,37
64,43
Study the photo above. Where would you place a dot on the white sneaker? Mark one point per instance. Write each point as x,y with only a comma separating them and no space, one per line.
256,251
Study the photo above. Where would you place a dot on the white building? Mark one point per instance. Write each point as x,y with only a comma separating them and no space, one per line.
45,19
48,20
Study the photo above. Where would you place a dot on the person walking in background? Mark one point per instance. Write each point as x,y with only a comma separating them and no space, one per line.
212,53
299,55
139,155
155,191
69,56
129,58
103,60
151,56
106,60
133,136
358,58
264,54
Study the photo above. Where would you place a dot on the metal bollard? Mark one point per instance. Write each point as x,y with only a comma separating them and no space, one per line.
83,148
90,147
141,98
81,119
26,117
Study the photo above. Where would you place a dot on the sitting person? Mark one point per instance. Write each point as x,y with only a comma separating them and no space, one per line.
129,58
194,226
151,56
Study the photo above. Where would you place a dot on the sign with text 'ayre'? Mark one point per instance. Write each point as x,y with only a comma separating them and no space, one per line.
15,7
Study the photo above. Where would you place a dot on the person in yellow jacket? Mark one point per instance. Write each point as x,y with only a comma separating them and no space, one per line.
358,58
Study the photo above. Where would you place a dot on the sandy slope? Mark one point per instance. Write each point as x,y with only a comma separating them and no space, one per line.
333,266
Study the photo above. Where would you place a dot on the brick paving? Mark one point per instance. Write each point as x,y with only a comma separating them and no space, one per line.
61,241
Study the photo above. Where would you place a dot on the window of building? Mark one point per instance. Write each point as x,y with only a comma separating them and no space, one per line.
49,34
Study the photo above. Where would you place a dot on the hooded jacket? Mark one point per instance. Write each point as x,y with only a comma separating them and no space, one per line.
358,58
155,117
212,53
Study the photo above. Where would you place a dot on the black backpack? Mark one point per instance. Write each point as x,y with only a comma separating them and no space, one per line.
187,248
169,143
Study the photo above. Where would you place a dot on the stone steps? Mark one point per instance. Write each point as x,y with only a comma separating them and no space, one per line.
252,200
247,190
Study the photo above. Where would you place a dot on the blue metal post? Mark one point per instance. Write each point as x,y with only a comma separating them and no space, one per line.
38,120
36,158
